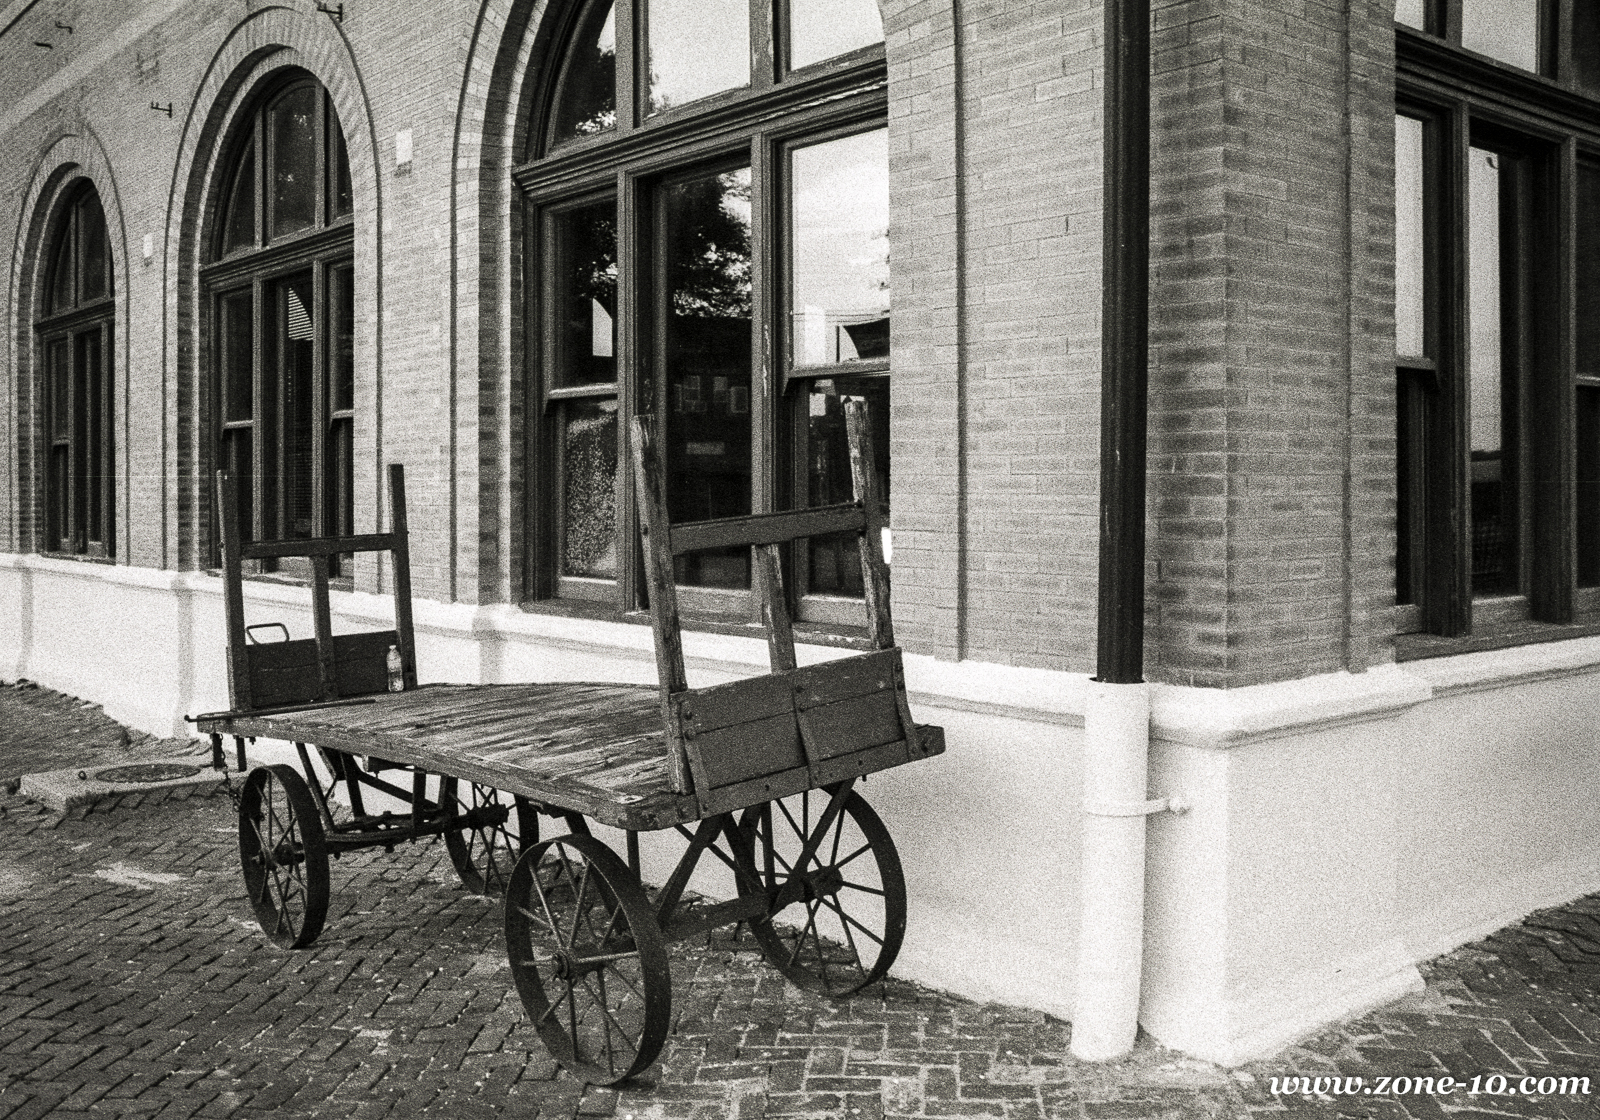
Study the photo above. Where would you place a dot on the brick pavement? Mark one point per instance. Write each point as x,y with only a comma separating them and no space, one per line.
133,983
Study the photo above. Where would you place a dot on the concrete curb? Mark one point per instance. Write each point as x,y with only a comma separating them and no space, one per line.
102,788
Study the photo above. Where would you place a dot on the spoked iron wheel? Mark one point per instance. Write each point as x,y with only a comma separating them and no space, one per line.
588,958
284,852
484,854
839,918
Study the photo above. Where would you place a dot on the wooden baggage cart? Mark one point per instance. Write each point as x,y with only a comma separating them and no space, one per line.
760,773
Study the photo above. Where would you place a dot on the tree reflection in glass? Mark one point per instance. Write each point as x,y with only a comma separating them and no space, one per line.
708,340
586,97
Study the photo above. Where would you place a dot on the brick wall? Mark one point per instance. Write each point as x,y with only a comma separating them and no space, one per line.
1272,385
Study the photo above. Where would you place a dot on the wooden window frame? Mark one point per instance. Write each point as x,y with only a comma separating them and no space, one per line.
78,464
321,251
751,126
1466,101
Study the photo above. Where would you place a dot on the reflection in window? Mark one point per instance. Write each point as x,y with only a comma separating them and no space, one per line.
840,216
707,374
1412,13
1408,237
294,161
835,561
589,488
1588,369
1507,30
1586,47
822,29
586,98
1493,525
584,254
696,48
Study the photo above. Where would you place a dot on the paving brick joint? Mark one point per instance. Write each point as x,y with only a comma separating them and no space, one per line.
134,983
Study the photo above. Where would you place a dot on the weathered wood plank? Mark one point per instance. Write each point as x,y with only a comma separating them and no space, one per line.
858,723
767,528
317,546
745,751
864,479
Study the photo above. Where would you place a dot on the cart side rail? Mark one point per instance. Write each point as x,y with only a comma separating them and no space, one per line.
326,666
795,725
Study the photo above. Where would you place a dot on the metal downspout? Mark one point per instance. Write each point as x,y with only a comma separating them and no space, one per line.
1117,708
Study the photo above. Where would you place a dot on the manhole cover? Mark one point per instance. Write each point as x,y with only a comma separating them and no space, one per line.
147,772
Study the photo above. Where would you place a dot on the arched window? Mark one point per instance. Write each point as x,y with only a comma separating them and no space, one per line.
708,212
75,342
279,293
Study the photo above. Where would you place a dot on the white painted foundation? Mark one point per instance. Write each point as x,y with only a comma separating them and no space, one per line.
1341,828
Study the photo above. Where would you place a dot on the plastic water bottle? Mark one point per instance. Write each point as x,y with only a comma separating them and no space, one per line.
397,676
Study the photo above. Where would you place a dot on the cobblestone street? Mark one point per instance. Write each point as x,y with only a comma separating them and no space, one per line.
134,983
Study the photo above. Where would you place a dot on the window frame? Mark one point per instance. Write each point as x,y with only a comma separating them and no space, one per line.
321,251
1469,101
751,126
71,526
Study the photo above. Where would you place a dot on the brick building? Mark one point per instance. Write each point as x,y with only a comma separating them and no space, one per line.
302,240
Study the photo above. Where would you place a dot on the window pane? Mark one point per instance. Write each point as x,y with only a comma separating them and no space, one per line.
342,198
342,345
708,342
62,268
94,433
1588,270
96,280
835,561
1588,410
1408,237
1504,29
60,390
85,371
585,295
1493,571
1412,13
1586,46
821,29
696,48
587,92
840,288
589,488
238,357
239,230
293,160
296,388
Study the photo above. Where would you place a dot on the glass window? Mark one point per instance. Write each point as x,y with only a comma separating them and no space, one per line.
283,318
76,389
1408,237
586,101
1493,512
1507,30
1412,13
770,252
696,48
823,29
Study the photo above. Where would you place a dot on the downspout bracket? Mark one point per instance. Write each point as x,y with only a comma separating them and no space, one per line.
1101,808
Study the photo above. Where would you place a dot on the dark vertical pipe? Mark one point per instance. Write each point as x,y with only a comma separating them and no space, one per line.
1124,331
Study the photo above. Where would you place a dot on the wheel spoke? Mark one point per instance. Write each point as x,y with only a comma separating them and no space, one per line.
863,888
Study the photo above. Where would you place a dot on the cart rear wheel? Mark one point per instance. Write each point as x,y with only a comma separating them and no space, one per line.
485,853
588,958
837,922
284,852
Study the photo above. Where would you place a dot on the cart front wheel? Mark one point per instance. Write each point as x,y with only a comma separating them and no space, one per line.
833,925
284,852
588,958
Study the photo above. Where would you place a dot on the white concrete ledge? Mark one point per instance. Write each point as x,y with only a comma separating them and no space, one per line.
1225,718
1505,668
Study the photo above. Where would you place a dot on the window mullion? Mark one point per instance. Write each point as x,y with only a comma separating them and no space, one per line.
1551,363
628,31
765,29
766,394
322,312
636,380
